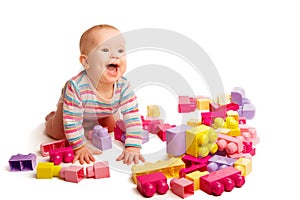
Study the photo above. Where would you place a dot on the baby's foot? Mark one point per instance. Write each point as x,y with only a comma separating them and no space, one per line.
49,115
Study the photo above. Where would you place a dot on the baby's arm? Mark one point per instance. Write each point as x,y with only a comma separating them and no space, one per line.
73,118
133,123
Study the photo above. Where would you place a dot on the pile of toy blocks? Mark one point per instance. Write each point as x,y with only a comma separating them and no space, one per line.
212,154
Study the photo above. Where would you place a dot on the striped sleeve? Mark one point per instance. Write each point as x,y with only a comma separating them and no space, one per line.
73,115
131,117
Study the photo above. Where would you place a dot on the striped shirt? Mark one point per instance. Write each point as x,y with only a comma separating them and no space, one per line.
81,103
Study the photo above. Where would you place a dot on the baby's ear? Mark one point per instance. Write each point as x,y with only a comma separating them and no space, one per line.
83,61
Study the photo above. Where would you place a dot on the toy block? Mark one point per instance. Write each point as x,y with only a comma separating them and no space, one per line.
218,162
193,164
195,178
200,141
22,162
237,95
193,122
182,187
153,111
232,113
215,183
61,155
202,103
244,165
72,173
98,170
101,139
175,140
207,118
47,146
232,145
225,131
223,99
218,122
170,168
186,104
151,124
215,107
119,129
149,184
248,111
145,137
162,133
232,124
242,120
47,170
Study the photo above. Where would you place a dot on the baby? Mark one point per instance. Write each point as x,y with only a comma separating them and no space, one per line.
95,96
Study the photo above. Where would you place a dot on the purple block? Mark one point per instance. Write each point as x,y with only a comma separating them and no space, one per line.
248,111
175,138
22,162
219,162
101,139
237,95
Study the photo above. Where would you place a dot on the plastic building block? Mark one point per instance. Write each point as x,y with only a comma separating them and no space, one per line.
218,162
151,124
193,122
215,107
98,170
47,170
61,155
242,120
232,124
248,111
200,141
101,139
207,118
186,104
195,178
232,145
244,165
237,95
223,99
225,131
119,129
46,147
202,103
72,173
149,184
182,187
153,111
175,138
162,132
22,162
215,183
193,164
170,168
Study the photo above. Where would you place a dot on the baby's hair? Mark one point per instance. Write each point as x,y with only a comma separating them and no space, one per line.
85,36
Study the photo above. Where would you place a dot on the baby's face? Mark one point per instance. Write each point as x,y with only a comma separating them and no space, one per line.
106,60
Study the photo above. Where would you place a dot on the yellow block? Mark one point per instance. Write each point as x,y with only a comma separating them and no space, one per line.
244,165
153,111
195,177
170,168
203,103
46,170
194,122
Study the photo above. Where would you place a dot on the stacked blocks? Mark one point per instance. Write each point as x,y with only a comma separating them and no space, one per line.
22,162
100,138
244,165
246,108
200,141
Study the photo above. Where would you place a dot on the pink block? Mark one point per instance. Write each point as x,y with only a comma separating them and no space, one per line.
46,147
149,184
61,155
215,183
162,132
72,173
182,187
231,144
98,170
186,104
119,129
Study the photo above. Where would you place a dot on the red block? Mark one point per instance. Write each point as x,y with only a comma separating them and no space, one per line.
149,184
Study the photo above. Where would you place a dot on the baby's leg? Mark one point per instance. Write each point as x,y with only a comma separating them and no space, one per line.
108,122
54,123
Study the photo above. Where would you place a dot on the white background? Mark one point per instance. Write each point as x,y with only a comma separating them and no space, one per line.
253,44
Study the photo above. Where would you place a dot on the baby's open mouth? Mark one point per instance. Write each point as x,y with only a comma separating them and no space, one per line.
112,69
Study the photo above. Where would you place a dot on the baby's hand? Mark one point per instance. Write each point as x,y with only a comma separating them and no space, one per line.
85,155
131,154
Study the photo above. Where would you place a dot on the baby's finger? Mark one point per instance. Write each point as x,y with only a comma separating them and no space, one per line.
75,159
81,159
91,158
121,157
142,158
136,159
87,158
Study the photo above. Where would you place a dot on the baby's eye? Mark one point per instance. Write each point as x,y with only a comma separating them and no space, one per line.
105,50
121,51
